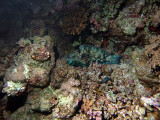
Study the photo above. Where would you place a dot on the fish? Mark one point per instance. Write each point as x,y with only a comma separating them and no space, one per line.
87,54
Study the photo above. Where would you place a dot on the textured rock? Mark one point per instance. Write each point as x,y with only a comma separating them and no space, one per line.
32,65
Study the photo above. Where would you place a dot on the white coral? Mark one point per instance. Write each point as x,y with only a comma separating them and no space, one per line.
12,88
71,86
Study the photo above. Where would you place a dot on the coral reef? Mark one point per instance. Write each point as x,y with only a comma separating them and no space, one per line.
12,88
83,89
105,11
147,102
80,117
16,73
129,25
155,19
66,106
72,76
70,86
103,101
152,51
143,70
6,59
131,20
100,24
74,21
62,72
145,62
31,66
38,77
42,100
60,5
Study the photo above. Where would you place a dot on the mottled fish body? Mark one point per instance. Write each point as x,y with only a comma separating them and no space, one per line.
90,54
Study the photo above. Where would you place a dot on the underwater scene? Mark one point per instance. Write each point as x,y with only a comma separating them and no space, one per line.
80,60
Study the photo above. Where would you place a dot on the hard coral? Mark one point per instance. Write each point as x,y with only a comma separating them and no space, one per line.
62,72
66,106
42,100
153,51
71,86
129,25
144,67
80,117
41,54
38,77
33,63
106,10
15,74
99,24
74,21
156,19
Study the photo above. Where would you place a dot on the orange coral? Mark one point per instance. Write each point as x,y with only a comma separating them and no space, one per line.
153,51
74,21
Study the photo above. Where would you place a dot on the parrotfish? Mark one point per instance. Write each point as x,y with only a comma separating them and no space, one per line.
87,54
